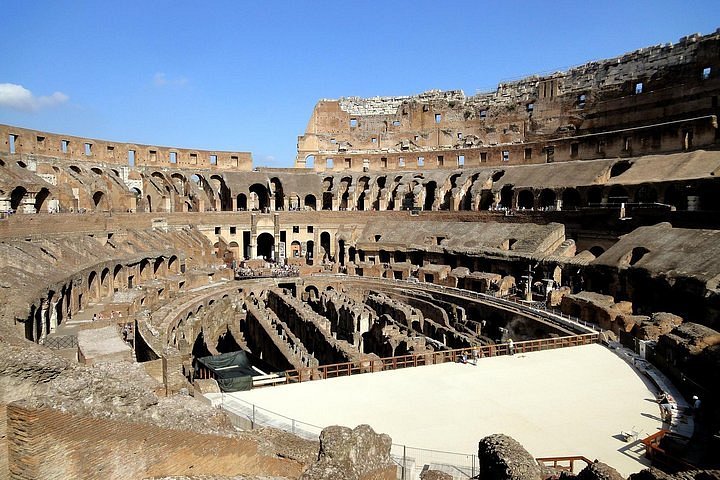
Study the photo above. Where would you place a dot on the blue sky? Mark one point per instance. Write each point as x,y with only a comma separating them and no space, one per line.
244,76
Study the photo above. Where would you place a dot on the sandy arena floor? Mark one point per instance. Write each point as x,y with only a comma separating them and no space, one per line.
571,401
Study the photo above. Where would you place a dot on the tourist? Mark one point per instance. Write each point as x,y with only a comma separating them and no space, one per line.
511,347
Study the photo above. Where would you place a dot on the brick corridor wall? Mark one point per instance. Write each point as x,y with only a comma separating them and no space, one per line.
3,441
48,444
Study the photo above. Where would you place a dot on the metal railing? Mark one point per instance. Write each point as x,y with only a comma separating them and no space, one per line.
468,354
58,342
410,461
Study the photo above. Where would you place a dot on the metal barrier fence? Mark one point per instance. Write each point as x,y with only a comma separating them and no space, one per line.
469,354
410,461
58,342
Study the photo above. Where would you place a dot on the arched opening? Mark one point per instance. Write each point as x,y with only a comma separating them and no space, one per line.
262,198
341,252
312,293
351,254
619,168
547,198
105,289
40,198
99,200
617,194
75,168
594,196
676,196
148,206
223,192
709,193
486,200
279,194
525,199
310,202
242,201
16,197
173,264
430,189
266,246
310,161
345,188
646,194
327,201
309,254
295,249
92,287
506,196
637,254
570,199
325,244
234,252
361,201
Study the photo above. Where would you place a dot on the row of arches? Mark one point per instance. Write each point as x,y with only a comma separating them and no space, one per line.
92,286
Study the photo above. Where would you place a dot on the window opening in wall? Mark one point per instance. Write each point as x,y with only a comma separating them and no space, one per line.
374,139
234,161
153,155
11,142
173,157
601,147
309,229
483,156
40,140
217,230
88,149
421,161
283,235
506,155
528,153
461,160
459,135
64,144
401,162
438,118
440,160
530,107
353,122
426,108
383,162
638,87
333,141
687,139
233,230
348,163
193,158
296,229
329,163
396,123
213,159
366,164
483,113
706,73
582,98
627,144
574,149
111,150
549,154
656,140
131,158
378,237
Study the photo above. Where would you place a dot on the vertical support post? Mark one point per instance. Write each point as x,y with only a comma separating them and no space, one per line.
404,464
252,423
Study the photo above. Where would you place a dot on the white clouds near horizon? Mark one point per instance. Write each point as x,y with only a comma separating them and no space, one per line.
17,97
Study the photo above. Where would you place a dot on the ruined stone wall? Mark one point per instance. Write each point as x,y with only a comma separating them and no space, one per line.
49,444
20,141
624,106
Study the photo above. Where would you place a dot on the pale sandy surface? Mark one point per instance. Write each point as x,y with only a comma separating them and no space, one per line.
571,401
